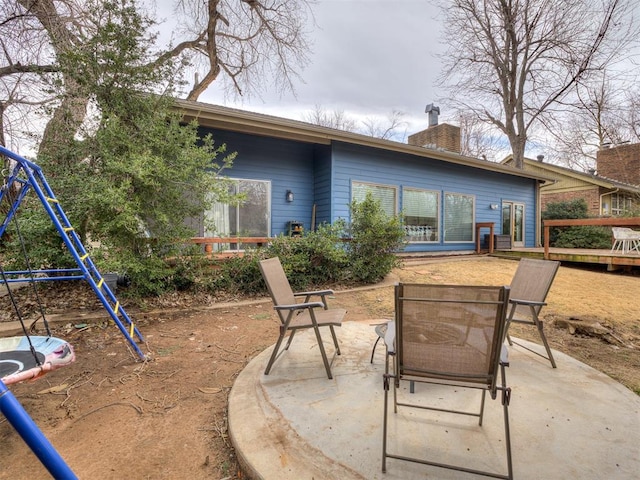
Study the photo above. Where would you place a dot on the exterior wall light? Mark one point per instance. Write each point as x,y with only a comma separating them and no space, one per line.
493,206
289,196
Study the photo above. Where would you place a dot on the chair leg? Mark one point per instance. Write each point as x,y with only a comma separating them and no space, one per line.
506,392
325,360
335,339
386,407
508,323
540,326
374,349
274,354
482,400
293,332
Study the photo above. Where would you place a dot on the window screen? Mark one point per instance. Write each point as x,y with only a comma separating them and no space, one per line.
421,214
386,195
458,214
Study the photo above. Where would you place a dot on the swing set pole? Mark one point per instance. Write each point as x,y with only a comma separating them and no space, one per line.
32,436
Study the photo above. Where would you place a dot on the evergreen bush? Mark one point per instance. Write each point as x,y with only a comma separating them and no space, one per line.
578,236
375,239
584,237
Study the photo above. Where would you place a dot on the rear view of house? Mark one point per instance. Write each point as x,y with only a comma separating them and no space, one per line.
297,175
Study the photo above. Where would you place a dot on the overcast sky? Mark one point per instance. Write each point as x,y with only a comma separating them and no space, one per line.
369,57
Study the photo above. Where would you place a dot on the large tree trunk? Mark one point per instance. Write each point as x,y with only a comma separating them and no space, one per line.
2,141
517,149
212,53
69,115
64,124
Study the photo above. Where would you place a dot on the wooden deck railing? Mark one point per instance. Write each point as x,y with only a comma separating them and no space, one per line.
209,242
597,222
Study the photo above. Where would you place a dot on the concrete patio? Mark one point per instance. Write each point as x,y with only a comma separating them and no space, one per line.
572,422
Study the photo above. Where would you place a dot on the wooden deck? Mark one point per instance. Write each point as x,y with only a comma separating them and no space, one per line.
233,246
613,261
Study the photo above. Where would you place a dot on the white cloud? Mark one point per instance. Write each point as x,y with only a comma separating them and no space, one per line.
369,58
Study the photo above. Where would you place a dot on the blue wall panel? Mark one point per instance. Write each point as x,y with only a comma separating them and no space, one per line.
288,165
321,175
354,163
322,184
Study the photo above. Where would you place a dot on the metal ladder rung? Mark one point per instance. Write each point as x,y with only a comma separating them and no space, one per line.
37,182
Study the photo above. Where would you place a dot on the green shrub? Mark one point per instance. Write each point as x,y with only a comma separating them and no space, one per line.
315,259
241,275
32,240
584,237
571,237
577,208
319,258
375,239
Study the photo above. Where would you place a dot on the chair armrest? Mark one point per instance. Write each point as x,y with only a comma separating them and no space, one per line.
319,293
300,306
526,302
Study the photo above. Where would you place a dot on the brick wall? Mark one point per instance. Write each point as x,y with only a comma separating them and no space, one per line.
620,163
443,136
591,196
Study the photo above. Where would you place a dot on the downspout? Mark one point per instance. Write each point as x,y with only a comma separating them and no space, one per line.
539,229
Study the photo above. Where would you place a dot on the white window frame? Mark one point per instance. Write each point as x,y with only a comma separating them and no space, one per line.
221,211
618,199
422,233
370,187
446,227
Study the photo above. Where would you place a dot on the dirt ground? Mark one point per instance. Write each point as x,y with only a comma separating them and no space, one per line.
112,417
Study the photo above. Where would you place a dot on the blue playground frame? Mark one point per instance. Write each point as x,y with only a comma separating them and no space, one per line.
32,436
28,176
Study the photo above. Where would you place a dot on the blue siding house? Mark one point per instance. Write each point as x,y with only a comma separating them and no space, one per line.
297,174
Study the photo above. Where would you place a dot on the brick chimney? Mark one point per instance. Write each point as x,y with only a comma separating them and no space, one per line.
443,136
621,163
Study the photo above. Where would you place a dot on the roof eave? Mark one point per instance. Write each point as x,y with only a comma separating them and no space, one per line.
213,116
594,179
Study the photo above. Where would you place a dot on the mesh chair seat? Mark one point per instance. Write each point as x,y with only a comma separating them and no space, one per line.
529,288
451,335
295,316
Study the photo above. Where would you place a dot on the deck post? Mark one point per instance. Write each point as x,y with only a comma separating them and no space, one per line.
546,242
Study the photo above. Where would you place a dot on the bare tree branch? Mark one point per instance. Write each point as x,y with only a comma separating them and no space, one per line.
510,61
239,43
386,129
337,119
19,68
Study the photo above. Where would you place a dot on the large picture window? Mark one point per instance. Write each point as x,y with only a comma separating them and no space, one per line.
620,204
421,214
385,194
249,219
458,217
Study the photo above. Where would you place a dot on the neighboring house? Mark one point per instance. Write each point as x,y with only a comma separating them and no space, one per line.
298,174
609,192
